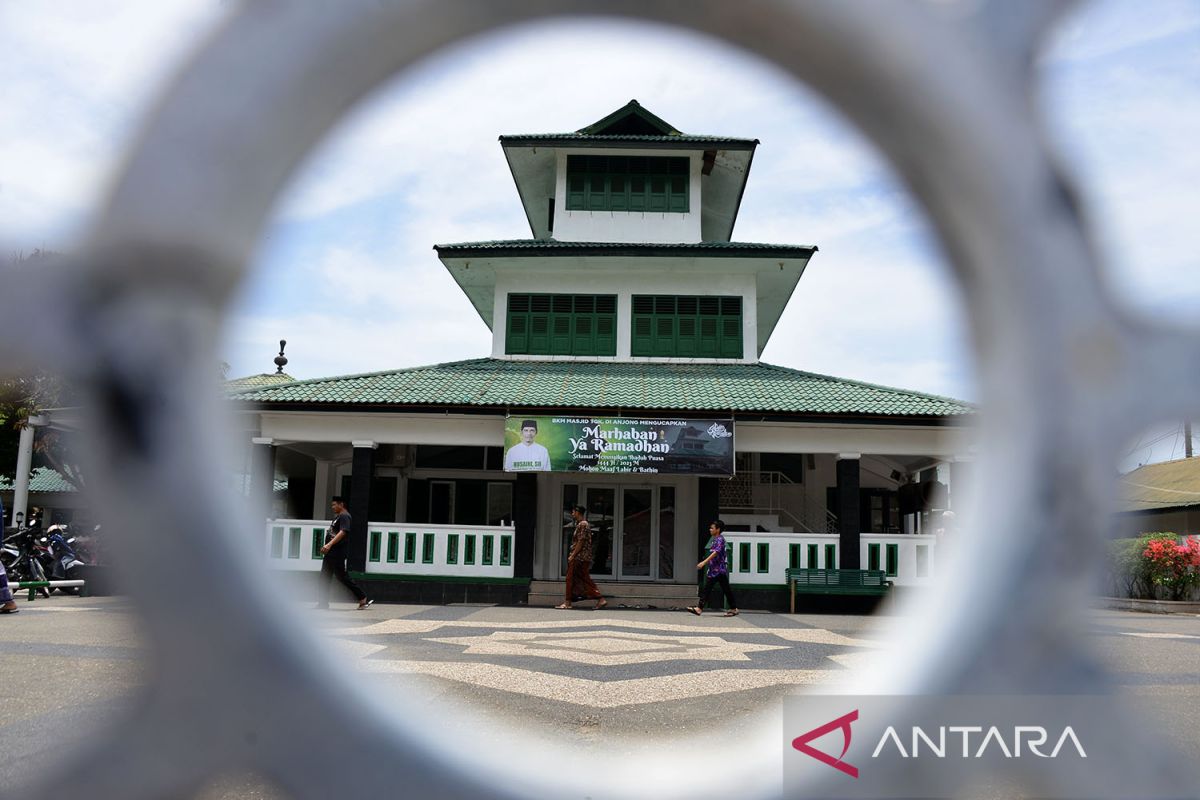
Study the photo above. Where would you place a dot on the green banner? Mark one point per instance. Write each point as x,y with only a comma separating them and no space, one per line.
612,445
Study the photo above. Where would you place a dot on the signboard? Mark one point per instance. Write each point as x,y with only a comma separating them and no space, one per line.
614,445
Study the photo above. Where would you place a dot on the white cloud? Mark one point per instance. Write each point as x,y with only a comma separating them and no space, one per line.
347,274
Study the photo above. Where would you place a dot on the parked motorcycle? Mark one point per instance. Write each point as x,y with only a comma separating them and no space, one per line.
58,558
21,556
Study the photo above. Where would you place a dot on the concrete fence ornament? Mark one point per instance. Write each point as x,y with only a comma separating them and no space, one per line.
943,90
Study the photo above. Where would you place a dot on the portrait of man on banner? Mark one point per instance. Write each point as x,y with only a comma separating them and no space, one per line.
527,455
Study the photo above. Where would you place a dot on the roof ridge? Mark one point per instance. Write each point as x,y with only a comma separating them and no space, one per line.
353,376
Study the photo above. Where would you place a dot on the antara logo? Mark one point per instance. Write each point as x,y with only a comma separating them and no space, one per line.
801,743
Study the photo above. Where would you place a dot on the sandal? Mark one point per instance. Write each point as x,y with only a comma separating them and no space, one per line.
564,605
12,610
732,613
602,604
694,610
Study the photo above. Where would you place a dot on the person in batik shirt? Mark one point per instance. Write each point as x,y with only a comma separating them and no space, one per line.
579,563
718,571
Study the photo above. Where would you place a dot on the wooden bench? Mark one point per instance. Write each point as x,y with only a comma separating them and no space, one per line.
837,581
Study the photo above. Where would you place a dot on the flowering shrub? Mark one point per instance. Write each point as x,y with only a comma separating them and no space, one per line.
1172,567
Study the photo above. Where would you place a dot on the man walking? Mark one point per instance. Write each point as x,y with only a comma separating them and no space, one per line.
579,563
336,550
718,571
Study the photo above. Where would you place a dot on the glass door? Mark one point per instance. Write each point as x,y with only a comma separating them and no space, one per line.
601,502
637,532
633,530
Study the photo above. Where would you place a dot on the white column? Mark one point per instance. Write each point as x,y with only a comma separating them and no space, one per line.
24,463
321,491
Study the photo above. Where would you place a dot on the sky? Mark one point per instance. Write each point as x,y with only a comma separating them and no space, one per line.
346,271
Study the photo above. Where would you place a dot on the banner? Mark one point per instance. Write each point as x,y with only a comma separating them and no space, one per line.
612,445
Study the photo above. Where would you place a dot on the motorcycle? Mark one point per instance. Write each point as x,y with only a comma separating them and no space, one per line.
58,558
21,556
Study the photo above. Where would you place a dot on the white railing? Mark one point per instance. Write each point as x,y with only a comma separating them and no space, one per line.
762,558
400,548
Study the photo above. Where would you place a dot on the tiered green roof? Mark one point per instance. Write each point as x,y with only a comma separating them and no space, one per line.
630,125
486,382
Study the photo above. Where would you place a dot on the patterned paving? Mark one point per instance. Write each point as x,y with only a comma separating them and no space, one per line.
611,660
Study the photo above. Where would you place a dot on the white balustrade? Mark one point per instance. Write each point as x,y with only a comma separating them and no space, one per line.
762,558
400,548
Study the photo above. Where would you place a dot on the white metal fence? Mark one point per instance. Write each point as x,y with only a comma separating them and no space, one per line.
394,548
762,558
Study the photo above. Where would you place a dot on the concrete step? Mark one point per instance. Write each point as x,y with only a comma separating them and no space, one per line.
660,595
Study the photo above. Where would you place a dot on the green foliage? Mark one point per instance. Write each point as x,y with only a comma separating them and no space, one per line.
1153,566
1126,569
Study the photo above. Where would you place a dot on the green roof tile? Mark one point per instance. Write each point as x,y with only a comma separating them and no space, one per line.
43,479
486,382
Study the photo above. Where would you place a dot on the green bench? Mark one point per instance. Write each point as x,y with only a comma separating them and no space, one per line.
837,581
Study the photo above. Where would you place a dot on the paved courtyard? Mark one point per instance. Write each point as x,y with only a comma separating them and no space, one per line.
67,664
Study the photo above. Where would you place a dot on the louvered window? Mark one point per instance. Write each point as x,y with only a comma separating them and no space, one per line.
627,183
561,324
686,326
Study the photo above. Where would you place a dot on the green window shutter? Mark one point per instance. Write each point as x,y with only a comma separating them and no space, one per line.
560,334
516,340
831,556
469,549
576,182
793,556
656,199
375,544
687,340
505,551
729,556
764,557
276,542
597,191
427,544
410,548
664,335
393,550
892,561
642,341
452,548
743,556
489,544
872,556
813,552
707,344
606,335
637,192
731,338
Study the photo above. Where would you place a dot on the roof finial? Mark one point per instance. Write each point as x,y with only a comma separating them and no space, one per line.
281,359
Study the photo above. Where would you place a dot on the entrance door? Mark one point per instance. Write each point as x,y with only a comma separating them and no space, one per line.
637,533
633,530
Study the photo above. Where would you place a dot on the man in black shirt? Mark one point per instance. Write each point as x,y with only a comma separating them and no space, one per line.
336,550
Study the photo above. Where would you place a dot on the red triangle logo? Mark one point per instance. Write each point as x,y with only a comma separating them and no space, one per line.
801,743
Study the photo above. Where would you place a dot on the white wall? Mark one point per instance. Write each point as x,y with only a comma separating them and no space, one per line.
626,226
625,282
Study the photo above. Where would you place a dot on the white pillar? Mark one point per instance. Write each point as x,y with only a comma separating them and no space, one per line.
24,463
321,491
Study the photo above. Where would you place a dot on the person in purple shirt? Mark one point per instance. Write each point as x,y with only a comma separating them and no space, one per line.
718,571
